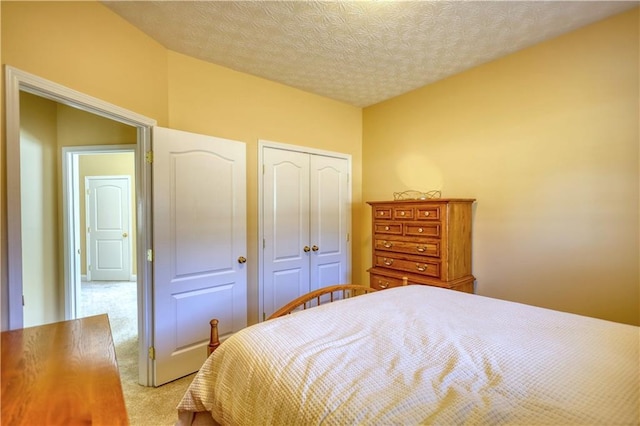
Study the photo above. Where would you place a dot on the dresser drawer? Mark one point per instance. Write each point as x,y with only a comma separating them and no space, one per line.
382,212
422,229
383,227
426,248
380,282
425,266
428,212
403,213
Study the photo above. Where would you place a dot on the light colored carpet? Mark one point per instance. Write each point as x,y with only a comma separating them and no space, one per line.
145,405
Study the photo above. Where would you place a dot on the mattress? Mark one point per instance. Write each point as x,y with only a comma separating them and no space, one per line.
422,355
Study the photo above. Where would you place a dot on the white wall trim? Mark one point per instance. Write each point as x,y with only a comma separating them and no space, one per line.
12,312
288,147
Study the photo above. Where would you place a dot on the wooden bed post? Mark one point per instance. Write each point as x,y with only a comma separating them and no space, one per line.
214,341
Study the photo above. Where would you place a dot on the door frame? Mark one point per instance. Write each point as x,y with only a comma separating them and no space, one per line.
71,217
263,143
12,310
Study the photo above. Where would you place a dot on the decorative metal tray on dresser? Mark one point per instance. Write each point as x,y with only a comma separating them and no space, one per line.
425,241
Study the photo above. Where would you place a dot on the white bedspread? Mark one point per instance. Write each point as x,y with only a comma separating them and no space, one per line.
423,355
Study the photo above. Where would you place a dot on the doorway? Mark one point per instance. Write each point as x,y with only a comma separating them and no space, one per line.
151,331
18,82
87,163
94,294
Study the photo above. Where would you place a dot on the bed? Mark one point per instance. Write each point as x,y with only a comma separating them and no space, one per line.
421,355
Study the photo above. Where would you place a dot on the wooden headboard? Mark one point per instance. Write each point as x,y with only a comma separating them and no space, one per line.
315,298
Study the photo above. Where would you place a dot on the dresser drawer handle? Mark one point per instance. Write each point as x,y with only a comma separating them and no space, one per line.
387,262
381,213
421,249
387,244
402,213
420,230
386,228
421,268
383,285
426,213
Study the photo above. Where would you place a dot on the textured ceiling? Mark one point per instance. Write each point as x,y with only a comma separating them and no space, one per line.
358,52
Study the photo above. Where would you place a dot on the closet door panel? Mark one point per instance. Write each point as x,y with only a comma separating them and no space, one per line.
286,226
329,209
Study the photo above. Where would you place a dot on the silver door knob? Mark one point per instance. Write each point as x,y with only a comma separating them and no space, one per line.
125,235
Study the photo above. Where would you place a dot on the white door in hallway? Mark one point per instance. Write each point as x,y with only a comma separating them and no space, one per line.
108,210
199,246
305,224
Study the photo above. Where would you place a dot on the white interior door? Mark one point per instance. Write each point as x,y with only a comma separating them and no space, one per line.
199,204
286,227
330,212
108,207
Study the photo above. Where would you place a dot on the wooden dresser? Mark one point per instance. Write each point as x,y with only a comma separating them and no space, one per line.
62,374
426,241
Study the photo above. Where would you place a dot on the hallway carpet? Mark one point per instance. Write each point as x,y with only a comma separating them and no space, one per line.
146,406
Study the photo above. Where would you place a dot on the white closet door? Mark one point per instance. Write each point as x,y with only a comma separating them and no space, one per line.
329,209
306,211
286,227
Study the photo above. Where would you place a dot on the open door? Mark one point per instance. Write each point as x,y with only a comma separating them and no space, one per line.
199,240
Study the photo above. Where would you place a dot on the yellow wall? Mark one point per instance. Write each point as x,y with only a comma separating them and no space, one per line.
81,128
86,47
41,263
547,141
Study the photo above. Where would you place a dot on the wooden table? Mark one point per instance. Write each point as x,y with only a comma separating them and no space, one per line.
61,374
